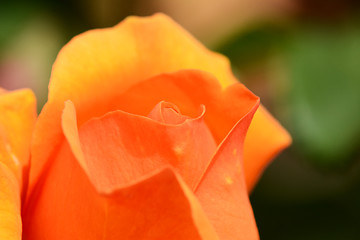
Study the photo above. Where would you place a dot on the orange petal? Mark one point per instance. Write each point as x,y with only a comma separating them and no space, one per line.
17,119
10,220
163,199
100,61
135,146
168,113
189,89
265,139
223,192
157,206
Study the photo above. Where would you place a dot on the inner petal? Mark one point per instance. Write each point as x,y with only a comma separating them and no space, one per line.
167,113
121,148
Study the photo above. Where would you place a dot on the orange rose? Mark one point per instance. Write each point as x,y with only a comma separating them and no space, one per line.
17,118
133,144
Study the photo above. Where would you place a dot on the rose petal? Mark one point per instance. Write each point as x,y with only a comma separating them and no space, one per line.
158,206
231,103
188,89
223,192
265,139
167,204
168,113
17,119
10,220
135,145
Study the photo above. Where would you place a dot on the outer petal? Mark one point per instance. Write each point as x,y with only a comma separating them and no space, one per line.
17,119
266,132
157,206
162,207
10,220
222,191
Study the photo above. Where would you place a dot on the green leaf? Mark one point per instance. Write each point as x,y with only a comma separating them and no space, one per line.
12,20
253,44
324,69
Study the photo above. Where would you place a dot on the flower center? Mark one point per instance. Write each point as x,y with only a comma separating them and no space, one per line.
167,113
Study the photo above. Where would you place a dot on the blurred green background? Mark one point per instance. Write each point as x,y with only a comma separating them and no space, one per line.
301,57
